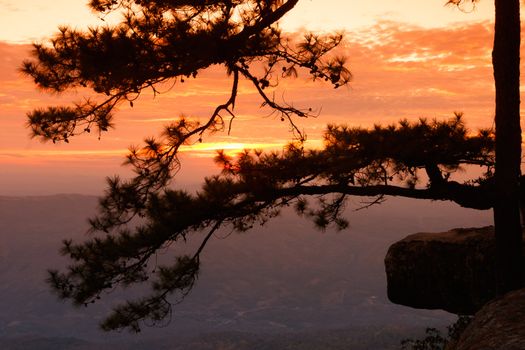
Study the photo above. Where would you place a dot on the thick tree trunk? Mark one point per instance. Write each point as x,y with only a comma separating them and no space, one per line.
506,60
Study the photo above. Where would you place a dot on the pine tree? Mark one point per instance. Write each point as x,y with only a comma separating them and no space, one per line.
158,42
161,41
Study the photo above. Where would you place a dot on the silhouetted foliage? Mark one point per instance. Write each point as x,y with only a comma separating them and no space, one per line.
172,41
253,188
434,338
161,41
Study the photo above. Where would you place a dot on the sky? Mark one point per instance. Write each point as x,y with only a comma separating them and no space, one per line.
409,58
30,20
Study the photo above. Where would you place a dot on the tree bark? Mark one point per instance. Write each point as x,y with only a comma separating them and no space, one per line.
506,61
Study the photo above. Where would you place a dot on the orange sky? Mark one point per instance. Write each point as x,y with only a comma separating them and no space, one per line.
407,61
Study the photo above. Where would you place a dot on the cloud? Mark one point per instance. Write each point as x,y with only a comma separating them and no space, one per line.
411,71
400,71
8,6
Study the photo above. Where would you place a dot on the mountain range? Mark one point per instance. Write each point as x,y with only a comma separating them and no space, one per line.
283,285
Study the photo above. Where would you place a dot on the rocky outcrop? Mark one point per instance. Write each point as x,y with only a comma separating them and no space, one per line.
453,271
498,325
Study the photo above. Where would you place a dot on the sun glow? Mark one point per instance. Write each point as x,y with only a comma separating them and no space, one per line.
409,58
209,149
205,149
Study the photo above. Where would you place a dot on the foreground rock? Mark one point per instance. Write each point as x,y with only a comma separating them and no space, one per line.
498,325
453,271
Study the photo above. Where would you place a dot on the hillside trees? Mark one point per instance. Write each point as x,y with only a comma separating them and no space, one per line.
173,41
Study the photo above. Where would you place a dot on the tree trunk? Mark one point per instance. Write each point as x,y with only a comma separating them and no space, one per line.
506,61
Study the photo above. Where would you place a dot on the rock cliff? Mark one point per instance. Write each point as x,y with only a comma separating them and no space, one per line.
453,271
500,324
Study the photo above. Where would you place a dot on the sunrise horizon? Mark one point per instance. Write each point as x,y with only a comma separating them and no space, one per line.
423,67
382,54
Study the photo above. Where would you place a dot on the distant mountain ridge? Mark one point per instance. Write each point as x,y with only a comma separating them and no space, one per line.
283,278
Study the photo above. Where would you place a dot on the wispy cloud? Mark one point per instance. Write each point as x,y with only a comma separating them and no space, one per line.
400,71
8,6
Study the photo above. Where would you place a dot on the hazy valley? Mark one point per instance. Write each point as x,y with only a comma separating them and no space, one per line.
284,285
